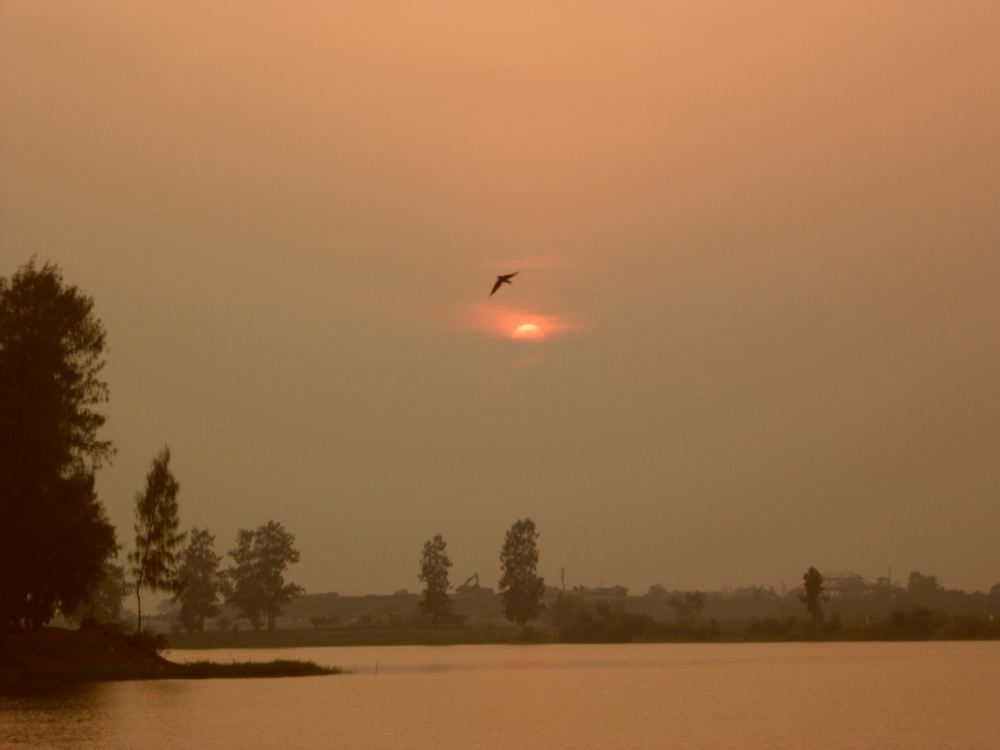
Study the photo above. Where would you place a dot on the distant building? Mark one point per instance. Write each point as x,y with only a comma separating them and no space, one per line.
601,593
844,584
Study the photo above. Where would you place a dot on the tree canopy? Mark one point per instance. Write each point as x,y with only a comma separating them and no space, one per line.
434,564
812,581
54,535
924,588
198,579
104,605
687,606
255,581
154,559
521,588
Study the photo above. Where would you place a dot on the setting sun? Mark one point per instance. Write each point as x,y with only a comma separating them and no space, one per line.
677,321
527,331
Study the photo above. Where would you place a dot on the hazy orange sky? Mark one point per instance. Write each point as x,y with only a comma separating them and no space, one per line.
763,239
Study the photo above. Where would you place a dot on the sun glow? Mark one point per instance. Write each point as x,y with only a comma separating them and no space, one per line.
519,324
527,331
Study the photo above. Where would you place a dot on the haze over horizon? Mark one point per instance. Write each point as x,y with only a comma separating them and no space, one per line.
760,244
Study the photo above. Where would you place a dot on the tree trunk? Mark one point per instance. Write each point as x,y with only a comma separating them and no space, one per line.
138,627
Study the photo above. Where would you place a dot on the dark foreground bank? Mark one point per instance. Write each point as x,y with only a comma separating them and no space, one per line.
104,654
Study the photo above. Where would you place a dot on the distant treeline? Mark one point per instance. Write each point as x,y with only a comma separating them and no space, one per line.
854,600
881,611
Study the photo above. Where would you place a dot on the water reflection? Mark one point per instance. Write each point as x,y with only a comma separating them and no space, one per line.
921,695
67,714
79,714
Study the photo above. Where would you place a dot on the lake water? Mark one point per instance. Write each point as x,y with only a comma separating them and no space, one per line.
817,696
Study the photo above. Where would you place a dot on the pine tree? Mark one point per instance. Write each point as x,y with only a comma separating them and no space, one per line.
154,559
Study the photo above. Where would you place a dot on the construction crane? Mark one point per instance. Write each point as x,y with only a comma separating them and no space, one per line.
468,586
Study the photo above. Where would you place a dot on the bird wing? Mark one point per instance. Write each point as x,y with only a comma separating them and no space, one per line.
496,285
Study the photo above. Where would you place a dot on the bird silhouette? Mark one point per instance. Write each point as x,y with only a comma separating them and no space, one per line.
503,279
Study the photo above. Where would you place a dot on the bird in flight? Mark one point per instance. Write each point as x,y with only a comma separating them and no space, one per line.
503,279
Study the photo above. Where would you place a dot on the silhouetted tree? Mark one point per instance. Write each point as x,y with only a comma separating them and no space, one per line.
54,536
521,588
656,591
198,578
240,584
688,605
813,583
434,564
104,605
993,599
923,588
569,610
255,582
154,559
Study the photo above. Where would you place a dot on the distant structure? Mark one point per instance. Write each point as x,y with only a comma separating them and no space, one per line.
839,584
471,587
601,593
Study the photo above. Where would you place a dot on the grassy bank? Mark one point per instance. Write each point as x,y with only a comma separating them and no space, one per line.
56,654
194,671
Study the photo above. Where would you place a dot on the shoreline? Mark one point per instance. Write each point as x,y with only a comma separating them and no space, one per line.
349,637
50,655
